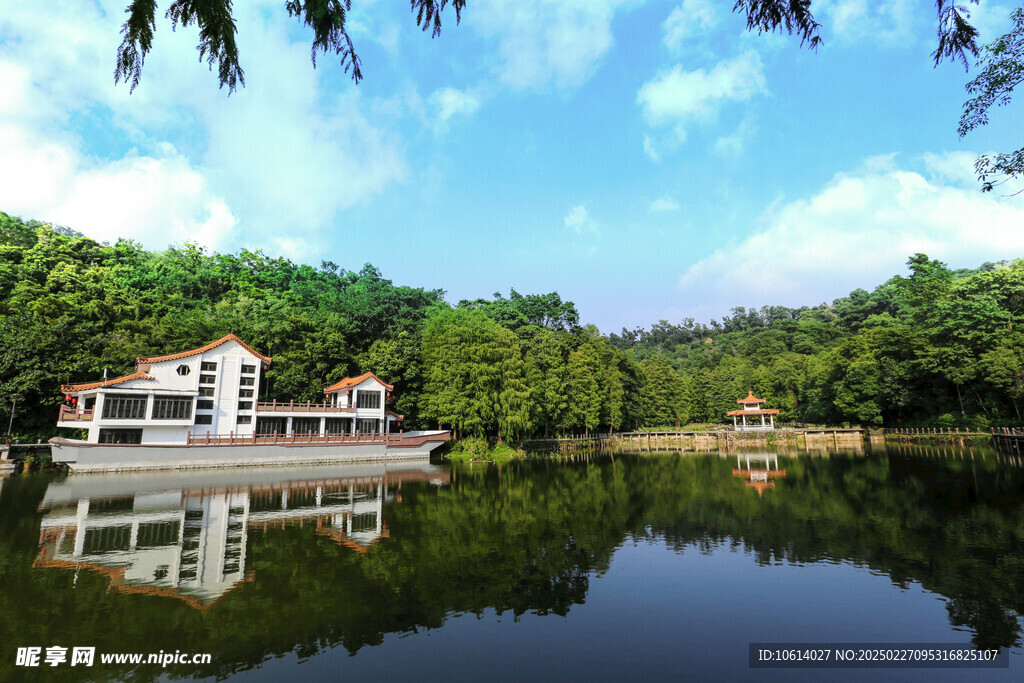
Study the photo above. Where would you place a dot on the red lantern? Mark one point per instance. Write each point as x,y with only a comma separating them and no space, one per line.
74,401
67,397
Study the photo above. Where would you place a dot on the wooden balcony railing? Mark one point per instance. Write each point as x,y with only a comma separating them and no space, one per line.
72,414
233,439
293,407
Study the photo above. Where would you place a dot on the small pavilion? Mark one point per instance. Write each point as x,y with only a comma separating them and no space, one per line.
751,409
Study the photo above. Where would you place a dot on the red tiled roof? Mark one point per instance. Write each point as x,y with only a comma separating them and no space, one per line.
203,349
71,388
750,399
353,381
760,411
394,414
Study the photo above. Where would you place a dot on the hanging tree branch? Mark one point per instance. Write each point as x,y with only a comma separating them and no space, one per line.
214,18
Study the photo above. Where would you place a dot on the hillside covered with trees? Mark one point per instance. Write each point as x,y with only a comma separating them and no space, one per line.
936,347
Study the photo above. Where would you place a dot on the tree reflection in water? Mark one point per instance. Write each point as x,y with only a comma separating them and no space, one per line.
527,537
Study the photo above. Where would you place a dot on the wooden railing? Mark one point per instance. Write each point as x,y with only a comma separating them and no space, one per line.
293,407
233,439
72,414
938,431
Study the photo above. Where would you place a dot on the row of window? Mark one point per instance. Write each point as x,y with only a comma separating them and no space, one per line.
242,393
367,399
212,379
209,366
203,404
129,407
208,419
311,425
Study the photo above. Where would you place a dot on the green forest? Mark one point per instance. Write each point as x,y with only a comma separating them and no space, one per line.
934,347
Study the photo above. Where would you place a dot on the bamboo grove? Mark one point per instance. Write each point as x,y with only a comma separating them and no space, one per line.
937,347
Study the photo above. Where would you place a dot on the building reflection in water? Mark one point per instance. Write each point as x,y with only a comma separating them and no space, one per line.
759,469
185,536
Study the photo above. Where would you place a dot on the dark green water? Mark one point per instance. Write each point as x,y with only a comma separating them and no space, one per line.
647,567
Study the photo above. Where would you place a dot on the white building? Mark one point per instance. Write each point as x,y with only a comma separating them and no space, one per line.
213,390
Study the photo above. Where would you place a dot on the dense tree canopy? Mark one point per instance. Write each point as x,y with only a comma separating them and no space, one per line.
935,347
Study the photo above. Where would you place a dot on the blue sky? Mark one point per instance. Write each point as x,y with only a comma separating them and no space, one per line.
647,160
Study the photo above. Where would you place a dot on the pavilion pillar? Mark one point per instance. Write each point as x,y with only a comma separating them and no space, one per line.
288,425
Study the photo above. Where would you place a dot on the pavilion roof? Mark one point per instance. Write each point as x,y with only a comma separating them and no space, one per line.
759,411
750,399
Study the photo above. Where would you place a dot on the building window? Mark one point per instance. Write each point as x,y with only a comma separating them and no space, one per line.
172,408
368,399
367,425
206,391
245,393
204,405
204,419
184,370
338,425
245,405
248,369
244,419
247,381
207,379
124,407
129,436
207,366
305,425
271,425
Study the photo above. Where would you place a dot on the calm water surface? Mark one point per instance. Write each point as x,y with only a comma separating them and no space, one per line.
633,566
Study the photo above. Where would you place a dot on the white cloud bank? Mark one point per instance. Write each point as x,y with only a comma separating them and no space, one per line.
151,199
578,221
547,42
858,231
449,102
678,98
663,204
690,18
178,159
888,23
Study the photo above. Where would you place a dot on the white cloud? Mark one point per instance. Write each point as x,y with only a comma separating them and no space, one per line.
858,231
152,199
992,20
578,220
888,23
449,102
664,204
283,153
678,98
542,42
688,19
732,145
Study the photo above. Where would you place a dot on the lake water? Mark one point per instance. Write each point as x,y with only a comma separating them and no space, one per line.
654,566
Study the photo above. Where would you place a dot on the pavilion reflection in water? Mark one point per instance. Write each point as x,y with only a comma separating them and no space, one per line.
189,542
759,469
